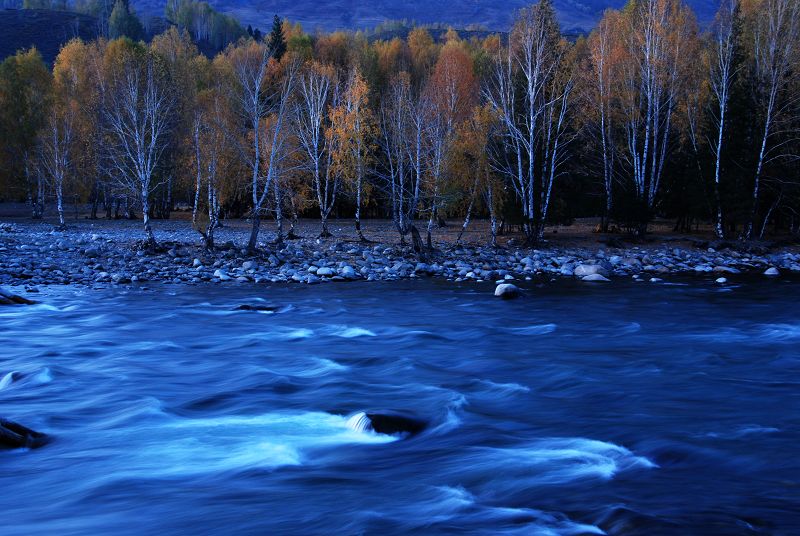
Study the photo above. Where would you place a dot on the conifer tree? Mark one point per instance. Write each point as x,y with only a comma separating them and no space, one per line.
277,41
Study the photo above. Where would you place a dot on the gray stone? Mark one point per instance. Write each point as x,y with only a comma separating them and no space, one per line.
348,272
507,291
325,272
589,269
594,277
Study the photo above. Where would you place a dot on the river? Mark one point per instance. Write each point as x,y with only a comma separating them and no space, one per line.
629,409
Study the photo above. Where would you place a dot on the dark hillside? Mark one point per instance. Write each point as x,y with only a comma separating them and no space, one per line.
359,14
45,29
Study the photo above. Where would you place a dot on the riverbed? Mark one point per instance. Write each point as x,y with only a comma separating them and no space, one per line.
626,409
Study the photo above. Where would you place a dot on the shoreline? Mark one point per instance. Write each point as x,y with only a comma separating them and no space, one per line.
35,254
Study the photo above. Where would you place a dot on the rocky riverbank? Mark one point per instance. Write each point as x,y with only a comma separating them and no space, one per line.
34,255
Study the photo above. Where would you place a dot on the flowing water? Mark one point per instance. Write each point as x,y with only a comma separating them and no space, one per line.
578,409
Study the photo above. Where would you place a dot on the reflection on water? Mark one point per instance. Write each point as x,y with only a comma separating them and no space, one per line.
631,409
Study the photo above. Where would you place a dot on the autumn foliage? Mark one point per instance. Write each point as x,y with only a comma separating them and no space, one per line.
650,115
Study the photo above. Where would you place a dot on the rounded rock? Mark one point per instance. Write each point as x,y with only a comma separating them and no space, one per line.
507,291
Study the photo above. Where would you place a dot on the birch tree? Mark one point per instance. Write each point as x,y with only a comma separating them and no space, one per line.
652,84
724,44
518,92
209,143
260,89
351,132
55,152
602,43
319,90
400,143
137,121
777,29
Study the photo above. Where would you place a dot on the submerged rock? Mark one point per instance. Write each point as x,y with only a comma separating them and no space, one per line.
16,436
507,291
386,422
594,277
9,298
9,378
258,307
772,271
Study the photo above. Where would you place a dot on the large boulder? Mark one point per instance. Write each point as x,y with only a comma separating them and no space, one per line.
9,298
386,422
582,270
772,271
507,291
16,436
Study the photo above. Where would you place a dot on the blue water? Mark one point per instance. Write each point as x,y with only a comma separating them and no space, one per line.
629,408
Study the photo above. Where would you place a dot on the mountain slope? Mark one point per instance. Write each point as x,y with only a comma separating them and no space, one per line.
45,29
361,14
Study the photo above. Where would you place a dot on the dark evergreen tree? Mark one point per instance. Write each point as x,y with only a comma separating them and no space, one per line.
277,41
124,23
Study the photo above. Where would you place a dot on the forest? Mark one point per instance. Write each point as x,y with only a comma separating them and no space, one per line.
649,116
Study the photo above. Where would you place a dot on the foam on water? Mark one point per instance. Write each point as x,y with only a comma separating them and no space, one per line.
313,367
43,376
452,419
359,422
560,460
457,506
321,367
291,334
630,327
196,446
504,388
541,329
8,379
347,332
744,431
776,333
